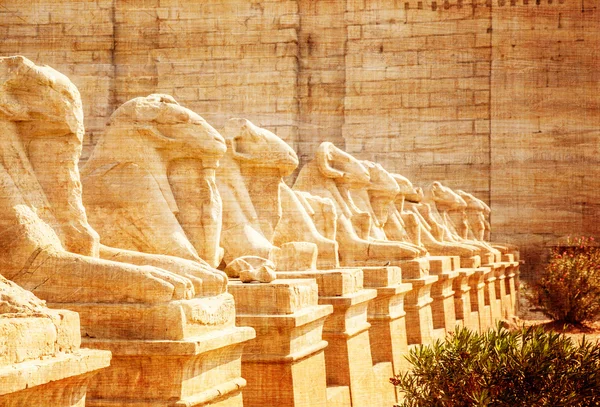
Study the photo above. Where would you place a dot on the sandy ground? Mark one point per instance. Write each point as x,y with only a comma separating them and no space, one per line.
529,316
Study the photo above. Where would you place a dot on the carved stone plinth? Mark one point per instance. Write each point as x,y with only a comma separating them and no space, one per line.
480,312
285,364
511,281
387,316
387,334
441,264
338,396
59,381
470,262
505,290
490,293
181,353
174,320
348,355
41,363
462,300
415,268
442,294
419,317
348,359
502,302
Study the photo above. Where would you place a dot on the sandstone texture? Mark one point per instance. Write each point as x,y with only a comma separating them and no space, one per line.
269,203
498,98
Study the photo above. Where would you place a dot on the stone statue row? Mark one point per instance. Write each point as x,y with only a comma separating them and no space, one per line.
166,207
152,193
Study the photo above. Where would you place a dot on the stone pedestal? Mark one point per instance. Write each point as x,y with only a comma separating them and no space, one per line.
462,300
511,281
387,334
59,381
503,303
41,363
442,294
387,316
419,317
285,364
470,262
348,356
517,287
181,353
490,293
348,359
480,312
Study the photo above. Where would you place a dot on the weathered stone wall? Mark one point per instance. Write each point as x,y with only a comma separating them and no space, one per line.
496,97
418,90
322,75
222,59
545,138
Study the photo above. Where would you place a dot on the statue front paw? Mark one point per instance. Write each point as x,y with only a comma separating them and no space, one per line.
182,287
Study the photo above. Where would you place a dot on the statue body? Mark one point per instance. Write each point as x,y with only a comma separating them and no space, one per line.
412,220
258,161
376,199
333,174
150,190
443,202
479,228
47,244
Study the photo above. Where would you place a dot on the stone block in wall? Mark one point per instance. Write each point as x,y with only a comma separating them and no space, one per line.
407,72
18,30
456,98
445,42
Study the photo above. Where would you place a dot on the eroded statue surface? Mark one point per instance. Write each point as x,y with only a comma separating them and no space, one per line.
445,204
411,219
257,162
149,189
377,199
334,174
30,330
46,243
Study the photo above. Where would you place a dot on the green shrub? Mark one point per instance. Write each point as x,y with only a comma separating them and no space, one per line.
500,368
569,287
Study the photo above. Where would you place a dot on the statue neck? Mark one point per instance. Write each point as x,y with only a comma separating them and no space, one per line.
46,172
263,185
120,148
399,203
13,159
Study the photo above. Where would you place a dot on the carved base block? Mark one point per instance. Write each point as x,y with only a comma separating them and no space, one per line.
490,294
285,364
511,288
348,359
508,257
416,268
331,283
442,307
517,291
338,396
348,355
503,303
441,264
419,317
173,320
387,317
52,381
383,371
462,300
162,373
480,312
470,262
